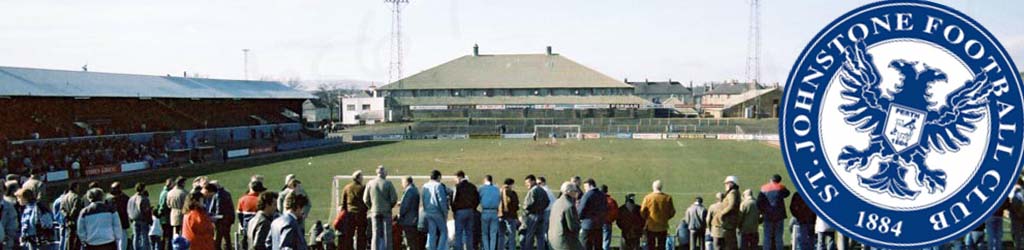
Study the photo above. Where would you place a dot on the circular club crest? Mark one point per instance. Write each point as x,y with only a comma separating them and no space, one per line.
901,124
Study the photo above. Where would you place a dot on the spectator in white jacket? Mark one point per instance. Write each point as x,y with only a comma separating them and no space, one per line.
826,235
99,227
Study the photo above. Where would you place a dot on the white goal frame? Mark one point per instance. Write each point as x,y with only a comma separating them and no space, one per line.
578,135
339,182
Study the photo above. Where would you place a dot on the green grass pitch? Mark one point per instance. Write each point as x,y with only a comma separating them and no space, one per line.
687,168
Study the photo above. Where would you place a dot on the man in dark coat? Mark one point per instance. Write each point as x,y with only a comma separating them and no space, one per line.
592,209
464,203
803,228
120,202
222,210
631,223
772,204
408,214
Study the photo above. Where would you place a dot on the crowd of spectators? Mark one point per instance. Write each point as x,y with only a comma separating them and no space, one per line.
41,157
44,118
580,215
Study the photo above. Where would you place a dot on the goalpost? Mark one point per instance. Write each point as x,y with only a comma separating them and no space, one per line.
339,182
558,131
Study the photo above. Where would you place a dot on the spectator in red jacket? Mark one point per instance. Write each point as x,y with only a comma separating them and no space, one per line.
196,226
248,205
613,214
772,203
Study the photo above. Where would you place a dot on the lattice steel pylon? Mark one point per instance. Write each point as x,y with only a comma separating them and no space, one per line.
395,51
754,43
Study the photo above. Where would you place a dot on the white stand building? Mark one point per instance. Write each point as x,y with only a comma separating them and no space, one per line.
362,109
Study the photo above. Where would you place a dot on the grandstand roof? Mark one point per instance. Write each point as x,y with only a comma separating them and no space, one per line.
482,100
508,72
63,83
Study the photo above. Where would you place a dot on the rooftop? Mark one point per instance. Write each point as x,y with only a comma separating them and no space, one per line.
732,88
511,71
660,87
16,81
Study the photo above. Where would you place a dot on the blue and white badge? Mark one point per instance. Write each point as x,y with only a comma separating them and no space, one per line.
901,124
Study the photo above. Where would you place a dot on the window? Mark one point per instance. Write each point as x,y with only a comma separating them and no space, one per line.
366,106
351,107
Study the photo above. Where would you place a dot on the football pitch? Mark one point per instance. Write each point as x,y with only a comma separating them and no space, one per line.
688,168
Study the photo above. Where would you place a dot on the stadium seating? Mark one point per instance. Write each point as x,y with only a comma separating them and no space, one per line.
25,118
53,155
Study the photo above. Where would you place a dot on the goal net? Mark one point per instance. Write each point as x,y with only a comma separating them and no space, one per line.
339,182
567,131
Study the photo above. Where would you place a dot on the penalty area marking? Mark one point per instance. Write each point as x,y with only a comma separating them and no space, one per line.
439,160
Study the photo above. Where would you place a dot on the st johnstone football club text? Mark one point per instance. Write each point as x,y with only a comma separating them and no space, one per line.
806,84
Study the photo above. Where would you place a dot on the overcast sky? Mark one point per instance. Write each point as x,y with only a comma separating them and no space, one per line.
695,41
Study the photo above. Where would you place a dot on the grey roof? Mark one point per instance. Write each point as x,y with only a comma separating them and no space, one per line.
63,83
507,71
699,91
733,88
660,88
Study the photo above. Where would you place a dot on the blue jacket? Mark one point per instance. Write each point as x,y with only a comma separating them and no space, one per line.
58,218
408,211
286,233
10,221
33,216
435,199
221,209
592,209
490,198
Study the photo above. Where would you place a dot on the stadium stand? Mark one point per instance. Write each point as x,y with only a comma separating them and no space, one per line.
42,103
509,86
109,122
551,85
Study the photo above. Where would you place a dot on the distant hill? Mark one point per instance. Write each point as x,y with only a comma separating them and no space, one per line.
346,84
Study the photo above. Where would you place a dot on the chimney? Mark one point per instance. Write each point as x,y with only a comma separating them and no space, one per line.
476,50
549,50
